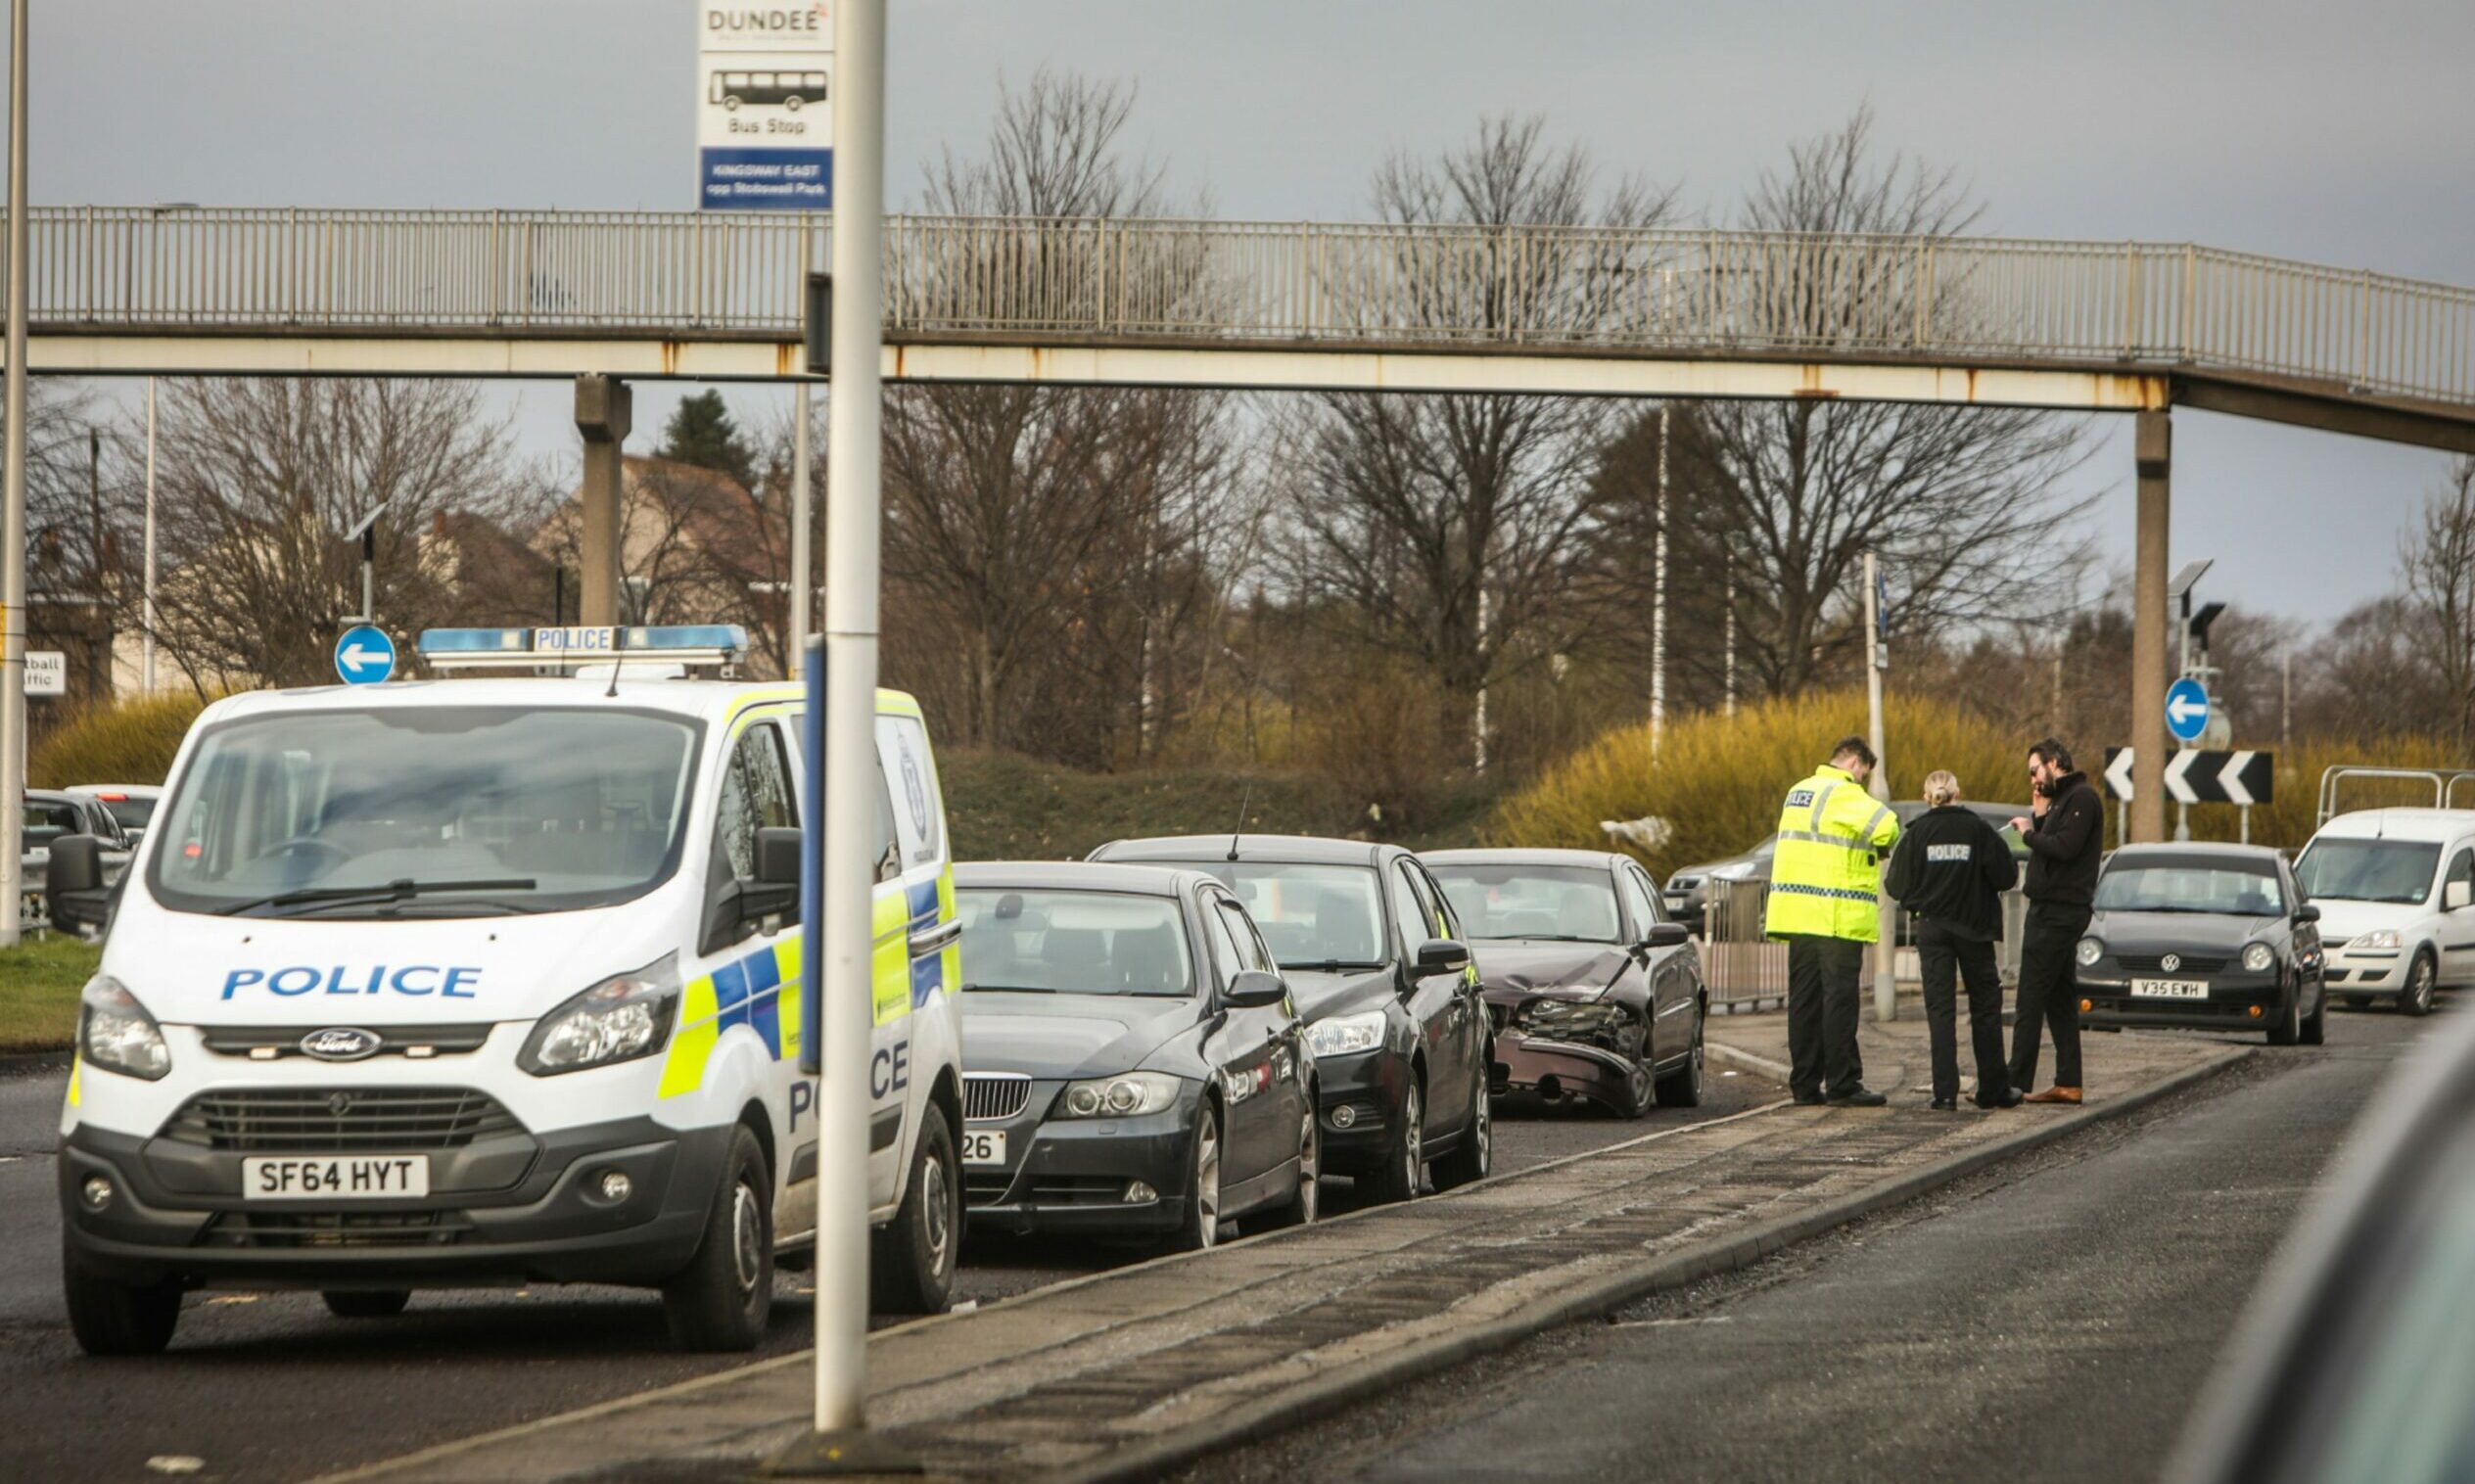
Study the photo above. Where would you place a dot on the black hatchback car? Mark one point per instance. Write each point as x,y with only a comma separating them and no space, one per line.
2205,937
1391,999
1131,1061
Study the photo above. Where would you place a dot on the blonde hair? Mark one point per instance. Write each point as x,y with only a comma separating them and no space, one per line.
1941,788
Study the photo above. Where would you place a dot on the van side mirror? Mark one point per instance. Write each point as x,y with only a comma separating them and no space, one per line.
777,857
75,866
2308,913
1440,956
2455,895
1254,990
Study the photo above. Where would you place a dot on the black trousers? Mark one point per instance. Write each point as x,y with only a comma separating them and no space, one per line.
1943,958
2049,993
1822,1058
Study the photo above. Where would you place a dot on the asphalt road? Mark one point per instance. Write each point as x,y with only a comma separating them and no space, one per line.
271,1386
2050,1319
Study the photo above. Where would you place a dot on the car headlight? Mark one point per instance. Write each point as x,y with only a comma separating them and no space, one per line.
114,1032
2260,958
624,1017
1130,1095
2382,938
2089,951
1346,1035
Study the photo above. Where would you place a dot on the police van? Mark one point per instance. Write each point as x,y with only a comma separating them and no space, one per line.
492,981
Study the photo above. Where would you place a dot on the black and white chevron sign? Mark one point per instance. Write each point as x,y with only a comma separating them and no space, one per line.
2195,775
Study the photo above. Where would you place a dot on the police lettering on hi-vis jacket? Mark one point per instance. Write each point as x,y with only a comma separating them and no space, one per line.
1824,884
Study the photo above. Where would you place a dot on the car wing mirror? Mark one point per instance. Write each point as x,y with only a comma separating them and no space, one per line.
75,866
1666,934
2308,913
1441,955
1254,990
777,857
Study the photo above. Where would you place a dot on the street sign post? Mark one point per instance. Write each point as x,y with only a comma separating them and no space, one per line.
46,672
2187,708
364,655
765,80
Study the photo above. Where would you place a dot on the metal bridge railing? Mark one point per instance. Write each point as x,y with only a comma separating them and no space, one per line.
686,275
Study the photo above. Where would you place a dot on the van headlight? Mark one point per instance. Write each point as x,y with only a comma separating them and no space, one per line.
2089,951
114,1032
1346,1035
2380,938
624,1017
1128,1096
2260,958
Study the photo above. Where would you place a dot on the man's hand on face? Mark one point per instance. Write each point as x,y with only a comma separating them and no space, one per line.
2022,823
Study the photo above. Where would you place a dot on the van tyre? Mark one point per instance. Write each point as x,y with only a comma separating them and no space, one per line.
1404,1159
1471,1158
2417,998
912,1260
1682,1088
722,1298
366,1303
119,1319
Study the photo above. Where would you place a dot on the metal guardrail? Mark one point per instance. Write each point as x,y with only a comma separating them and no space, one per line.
1743,970
686,275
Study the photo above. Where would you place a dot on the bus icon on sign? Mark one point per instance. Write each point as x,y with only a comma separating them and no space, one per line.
787,91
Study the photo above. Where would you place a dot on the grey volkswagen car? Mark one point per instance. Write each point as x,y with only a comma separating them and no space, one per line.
1130,1060
2205,937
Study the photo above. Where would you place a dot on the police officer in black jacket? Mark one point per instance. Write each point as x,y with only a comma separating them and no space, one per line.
2066,844
1950,870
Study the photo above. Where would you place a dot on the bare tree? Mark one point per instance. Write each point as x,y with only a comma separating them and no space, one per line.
1413,511
1965,506
257,483
1066,536
2437,570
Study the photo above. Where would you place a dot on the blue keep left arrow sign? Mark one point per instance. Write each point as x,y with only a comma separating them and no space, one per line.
364,655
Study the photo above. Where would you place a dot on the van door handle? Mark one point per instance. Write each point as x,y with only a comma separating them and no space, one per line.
924,941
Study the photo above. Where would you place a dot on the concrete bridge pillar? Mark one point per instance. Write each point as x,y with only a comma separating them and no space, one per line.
602,408
2153,454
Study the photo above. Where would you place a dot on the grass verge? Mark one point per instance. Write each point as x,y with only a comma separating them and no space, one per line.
39,982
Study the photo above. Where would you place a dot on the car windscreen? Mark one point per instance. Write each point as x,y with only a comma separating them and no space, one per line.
434,811
1072,943
1570,904
1313,917
131,813
2190,885
2368,870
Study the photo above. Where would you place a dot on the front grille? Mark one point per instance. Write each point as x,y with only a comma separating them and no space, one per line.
336,1229
1078,1190
2333,944
2335,976
278,1042
2154,963
990,1098
321,1120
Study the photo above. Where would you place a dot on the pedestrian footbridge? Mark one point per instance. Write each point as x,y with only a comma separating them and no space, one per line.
2124,326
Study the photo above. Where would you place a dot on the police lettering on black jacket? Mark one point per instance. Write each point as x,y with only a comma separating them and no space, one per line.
1951,869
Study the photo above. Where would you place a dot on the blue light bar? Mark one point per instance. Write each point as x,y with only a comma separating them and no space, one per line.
535,648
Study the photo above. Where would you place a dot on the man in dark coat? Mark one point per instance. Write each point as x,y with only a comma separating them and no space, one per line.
1949,871
2066,841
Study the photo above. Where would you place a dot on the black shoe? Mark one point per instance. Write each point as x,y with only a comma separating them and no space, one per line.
1809,1099
1861,1097
2011,1098
1944,1105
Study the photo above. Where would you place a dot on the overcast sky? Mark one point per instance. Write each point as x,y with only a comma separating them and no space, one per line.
2337,133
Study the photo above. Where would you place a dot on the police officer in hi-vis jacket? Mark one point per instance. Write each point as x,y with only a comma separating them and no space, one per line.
1825,881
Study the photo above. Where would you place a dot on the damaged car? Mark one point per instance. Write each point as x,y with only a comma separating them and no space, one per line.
1593,993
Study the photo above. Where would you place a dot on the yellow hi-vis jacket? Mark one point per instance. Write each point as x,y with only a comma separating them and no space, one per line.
1826,874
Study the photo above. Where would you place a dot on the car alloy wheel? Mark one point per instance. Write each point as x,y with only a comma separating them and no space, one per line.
1412,1139
2418,997
1310,1169
1482,1128
1207,1183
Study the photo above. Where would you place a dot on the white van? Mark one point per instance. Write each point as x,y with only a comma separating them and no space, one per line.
476,982
2396,888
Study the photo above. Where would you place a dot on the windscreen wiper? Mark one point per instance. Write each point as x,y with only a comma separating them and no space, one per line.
1329,965
403,890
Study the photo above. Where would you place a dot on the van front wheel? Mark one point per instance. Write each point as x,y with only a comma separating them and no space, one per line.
911,1268
722,1298
119,1319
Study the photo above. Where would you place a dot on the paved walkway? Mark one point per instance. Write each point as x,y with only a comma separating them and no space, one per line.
1124,1374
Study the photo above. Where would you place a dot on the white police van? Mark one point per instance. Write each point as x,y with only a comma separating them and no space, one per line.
476,982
